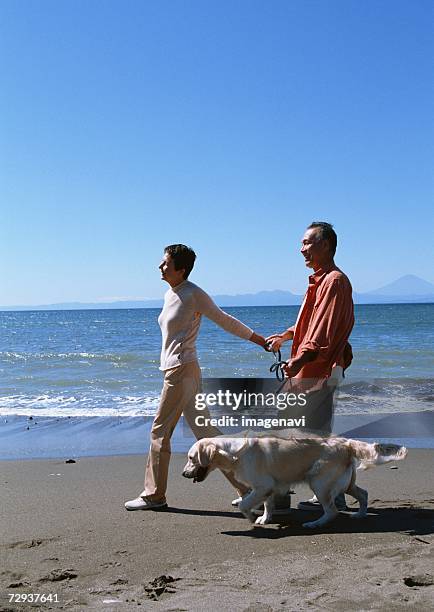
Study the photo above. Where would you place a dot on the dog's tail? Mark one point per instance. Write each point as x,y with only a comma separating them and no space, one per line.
370,455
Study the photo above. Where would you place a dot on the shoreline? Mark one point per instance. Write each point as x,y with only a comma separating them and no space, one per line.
22,437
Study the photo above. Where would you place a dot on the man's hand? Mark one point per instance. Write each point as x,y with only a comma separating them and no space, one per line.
275,341
292,367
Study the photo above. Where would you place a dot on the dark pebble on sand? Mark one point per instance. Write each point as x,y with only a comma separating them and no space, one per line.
419,580
160,585
119,581
59,574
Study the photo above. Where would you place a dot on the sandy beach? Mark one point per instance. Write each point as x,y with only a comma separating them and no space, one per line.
65,532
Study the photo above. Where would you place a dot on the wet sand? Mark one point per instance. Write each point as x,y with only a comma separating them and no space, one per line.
24,437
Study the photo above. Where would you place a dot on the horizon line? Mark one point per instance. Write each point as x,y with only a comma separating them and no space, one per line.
48,309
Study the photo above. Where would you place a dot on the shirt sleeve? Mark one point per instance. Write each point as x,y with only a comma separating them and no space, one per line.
329,317
206,306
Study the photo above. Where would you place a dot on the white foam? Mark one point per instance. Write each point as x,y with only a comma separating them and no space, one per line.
72,406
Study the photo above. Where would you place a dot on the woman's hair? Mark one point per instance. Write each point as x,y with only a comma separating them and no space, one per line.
183,257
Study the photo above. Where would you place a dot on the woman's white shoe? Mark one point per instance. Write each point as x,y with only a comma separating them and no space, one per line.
143,503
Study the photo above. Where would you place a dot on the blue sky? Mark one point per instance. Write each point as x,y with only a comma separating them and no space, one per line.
229,126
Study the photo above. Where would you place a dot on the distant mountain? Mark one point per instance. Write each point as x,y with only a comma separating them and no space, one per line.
263,298
407,289
410,285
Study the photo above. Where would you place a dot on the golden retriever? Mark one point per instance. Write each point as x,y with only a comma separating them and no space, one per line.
270,465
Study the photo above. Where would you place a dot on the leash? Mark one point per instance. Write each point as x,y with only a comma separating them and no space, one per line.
277,366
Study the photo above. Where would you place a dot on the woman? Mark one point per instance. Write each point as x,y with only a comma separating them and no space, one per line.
184,305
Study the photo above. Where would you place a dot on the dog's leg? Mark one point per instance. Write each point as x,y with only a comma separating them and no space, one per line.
253,499
327,490
325,497
360,494
330,512
362,497
268,511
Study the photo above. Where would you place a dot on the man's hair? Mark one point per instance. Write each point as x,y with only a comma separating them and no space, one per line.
183,257
326,233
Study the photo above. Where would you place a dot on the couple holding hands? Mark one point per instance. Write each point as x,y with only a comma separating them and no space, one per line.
320,348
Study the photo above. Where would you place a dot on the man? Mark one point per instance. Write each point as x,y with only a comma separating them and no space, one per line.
184,305
320,349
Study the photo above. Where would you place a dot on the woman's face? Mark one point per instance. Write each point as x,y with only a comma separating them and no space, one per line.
168,272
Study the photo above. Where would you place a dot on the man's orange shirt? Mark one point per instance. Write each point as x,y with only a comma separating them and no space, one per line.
324,323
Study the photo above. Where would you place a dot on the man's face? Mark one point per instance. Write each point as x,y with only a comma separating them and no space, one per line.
314,250
168,272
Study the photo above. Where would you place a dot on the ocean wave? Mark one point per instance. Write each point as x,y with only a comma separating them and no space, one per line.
120,358
75,406
390,395
359,397
417,387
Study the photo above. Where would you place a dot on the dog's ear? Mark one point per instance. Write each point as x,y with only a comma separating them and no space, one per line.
224,459
207,451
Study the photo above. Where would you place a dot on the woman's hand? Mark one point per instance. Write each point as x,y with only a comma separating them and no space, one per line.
258,339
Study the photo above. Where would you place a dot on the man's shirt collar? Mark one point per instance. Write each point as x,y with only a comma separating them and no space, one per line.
317,276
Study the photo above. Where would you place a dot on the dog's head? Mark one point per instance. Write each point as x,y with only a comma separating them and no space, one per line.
205,456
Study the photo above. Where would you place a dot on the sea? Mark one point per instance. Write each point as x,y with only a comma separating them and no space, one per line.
104,363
